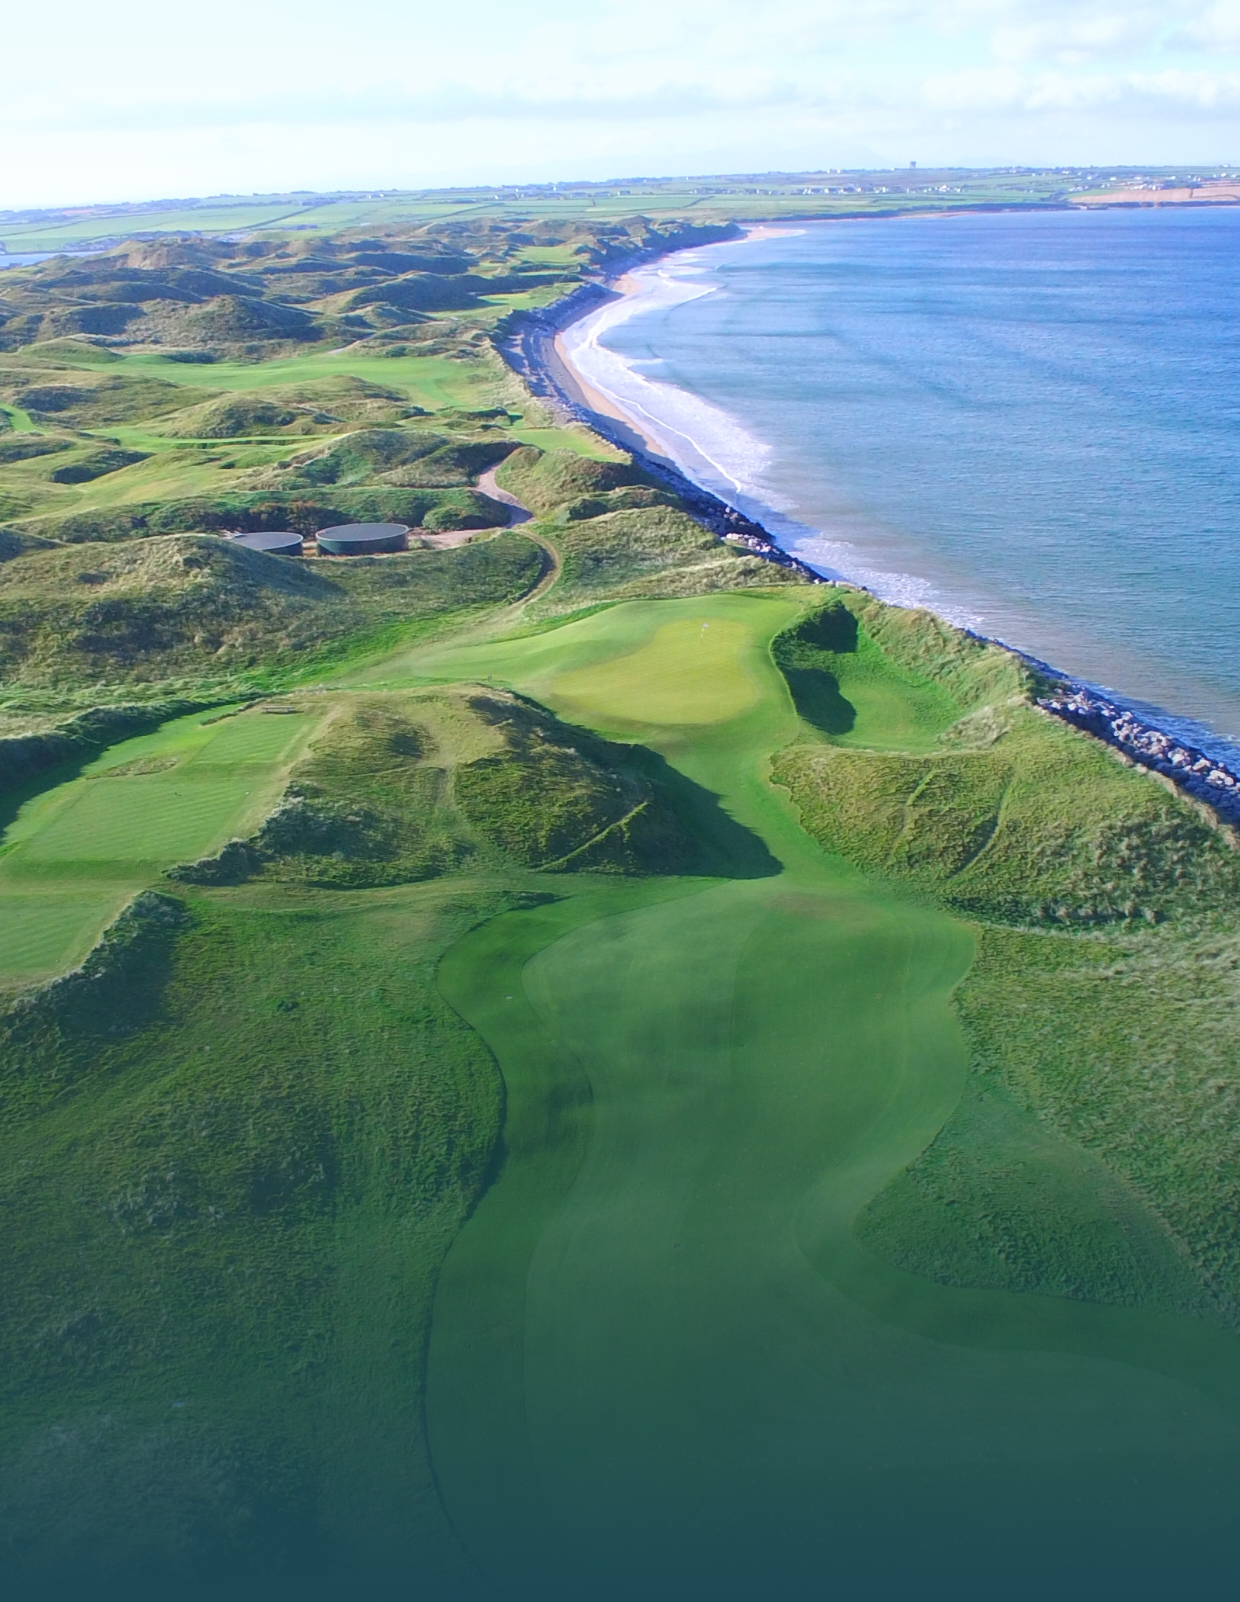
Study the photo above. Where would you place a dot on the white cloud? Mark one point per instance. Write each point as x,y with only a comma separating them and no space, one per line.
135,98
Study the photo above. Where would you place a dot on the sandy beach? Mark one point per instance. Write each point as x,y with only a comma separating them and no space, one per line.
589,393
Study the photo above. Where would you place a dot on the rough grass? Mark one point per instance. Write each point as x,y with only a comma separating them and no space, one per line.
985,803
306,510
195,606
545,480
402,787
319,407
645,552
90,400
1128,1048
1092,1153
264,1121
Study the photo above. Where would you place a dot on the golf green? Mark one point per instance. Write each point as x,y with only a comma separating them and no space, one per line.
660,1365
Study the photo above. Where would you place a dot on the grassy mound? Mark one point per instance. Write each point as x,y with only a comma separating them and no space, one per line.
420,292
400,458
106,399
1092,1152
545,480
194,605
655,551
319,407
560,798
399,788
231,319
984,802
302,510
26,447
96,464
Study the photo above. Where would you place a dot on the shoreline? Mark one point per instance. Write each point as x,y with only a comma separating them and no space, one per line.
533,346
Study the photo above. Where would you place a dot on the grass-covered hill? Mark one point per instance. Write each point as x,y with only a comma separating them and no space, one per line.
398,789
979,799
198,608
176,385
203,298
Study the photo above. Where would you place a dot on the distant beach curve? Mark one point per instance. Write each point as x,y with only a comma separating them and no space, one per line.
634,404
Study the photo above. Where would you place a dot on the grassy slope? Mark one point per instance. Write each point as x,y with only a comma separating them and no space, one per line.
1092,1155
665,1281
226,1110
645,1241
192,610
221,1248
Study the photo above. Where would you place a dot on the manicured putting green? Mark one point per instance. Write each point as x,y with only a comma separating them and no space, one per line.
143,805
660,1364
690,671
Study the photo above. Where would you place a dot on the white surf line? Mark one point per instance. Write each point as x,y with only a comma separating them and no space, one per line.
708,436
647,289
650,405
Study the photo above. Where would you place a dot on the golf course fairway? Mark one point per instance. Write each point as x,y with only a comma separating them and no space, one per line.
660,1365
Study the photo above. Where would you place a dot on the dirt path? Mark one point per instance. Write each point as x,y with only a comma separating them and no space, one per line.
517,513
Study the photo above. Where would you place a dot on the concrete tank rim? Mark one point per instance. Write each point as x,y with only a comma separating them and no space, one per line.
362,531
265,539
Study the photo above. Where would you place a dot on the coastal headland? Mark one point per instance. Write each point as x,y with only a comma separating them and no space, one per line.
575,1058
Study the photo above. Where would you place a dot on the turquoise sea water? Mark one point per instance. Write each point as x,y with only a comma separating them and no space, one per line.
1028,421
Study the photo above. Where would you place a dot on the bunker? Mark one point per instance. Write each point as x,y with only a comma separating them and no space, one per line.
362,539
284,544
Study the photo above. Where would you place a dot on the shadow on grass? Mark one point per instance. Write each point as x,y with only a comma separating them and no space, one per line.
817,698
805,655
726,848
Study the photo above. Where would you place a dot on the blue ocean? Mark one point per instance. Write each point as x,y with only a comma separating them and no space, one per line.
1027,421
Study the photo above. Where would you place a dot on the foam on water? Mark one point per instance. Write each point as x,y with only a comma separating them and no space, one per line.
703,440
1026,422
712,446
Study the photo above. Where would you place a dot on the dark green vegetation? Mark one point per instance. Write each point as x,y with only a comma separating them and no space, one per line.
229,1183
400,788
226,617
596,1068
956,785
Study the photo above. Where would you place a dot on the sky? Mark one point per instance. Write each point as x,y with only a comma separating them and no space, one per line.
142,99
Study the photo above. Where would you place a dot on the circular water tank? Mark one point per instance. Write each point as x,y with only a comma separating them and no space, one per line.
284,544
362,539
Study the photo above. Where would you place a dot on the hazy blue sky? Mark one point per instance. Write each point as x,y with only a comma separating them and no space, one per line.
133,99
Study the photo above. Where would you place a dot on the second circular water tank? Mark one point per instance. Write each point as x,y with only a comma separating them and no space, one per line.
362,539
